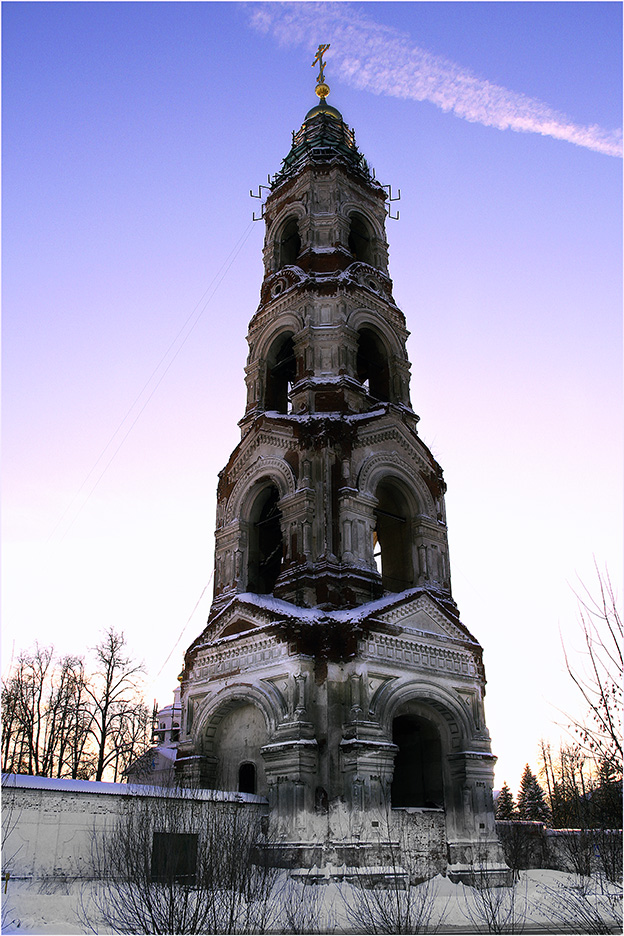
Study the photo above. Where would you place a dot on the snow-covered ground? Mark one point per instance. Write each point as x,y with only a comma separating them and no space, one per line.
541,901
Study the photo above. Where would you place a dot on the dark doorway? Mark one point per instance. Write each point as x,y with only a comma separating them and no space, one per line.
360,240
372,365
247,778
289,243
417,779
393,547
265,542
174,857
281,372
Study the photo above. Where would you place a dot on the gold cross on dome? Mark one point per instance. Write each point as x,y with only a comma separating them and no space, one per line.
322,49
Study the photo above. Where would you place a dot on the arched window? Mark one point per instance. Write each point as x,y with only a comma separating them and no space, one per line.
247,778
417,779
392,538
373,370
289,243
361,239
281,372
321,801
265,542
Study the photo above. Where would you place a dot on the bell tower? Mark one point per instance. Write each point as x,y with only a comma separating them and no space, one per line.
334,675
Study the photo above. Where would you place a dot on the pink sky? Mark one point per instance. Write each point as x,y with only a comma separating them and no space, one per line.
132,135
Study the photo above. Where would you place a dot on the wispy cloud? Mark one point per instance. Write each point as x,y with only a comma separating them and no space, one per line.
383,60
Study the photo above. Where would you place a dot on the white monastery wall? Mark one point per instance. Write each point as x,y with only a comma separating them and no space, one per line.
48,824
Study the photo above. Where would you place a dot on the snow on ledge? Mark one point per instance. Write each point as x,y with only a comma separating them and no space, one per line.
67,785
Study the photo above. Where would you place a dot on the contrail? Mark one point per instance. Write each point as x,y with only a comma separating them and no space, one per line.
380,59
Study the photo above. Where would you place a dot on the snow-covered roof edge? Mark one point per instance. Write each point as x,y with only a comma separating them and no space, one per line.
67,785
286,610
354,615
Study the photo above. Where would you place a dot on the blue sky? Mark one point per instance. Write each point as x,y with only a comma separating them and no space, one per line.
132,134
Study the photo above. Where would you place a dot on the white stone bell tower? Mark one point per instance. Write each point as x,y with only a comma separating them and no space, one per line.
334,675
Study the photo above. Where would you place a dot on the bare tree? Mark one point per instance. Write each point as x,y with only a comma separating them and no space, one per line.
131,736
598,678
28,700
178,863
11,726
302,905
66,696
395,897
587,803
60,722
588,905
589,784
571,780
78,760
114,695
10,850
394,907
492,908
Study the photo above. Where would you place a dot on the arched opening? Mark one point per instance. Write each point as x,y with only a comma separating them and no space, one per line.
392,538
281,372
417,779
289,243
373,370
247,778
361,239
234,740
265,542
321,801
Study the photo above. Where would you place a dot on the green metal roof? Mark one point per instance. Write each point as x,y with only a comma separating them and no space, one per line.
323,138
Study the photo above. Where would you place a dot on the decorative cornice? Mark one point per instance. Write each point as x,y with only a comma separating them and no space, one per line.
418,654
227,659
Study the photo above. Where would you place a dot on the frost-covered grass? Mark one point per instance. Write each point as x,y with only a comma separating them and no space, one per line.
541,901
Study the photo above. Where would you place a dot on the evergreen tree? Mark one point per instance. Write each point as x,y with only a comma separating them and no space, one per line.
605,800
505,806
531,799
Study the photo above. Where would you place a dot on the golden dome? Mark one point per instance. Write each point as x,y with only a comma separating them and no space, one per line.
324,108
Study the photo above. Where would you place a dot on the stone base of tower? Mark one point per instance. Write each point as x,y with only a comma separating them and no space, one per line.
478,864
363,728
403,848
413,841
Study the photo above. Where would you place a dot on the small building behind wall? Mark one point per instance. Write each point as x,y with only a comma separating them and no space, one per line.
48,825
